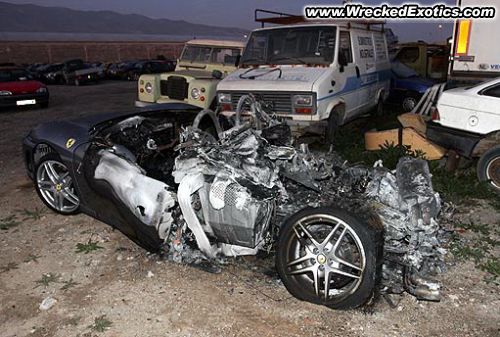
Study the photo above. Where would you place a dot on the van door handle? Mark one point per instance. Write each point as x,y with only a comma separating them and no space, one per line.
357,72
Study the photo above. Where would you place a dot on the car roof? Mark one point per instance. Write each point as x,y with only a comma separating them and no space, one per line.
360,24
216,43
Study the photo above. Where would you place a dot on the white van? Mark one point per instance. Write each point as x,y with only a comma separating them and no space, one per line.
313,74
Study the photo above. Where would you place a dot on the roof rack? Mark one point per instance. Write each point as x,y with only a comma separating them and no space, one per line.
280,19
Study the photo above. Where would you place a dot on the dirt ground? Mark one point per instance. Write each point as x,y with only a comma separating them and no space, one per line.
137,295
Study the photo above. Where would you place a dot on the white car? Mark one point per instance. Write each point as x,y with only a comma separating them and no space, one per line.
467,120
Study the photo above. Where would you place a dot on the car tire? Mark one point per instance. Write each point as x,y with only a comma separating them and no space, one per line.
54,185
488,167
44,105
351,261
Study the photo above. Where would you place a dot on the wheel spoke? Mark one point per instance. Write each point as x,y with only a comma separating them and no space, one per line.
316,281
349,264
70,196
338,271
299,260
303,270
48,170
45,185
327,283
337,243
302,240
60,201
67,183
330,235
52,172
308,234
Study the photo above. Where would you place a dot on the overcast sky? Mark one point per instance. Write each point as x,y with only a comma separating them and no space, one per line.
240,13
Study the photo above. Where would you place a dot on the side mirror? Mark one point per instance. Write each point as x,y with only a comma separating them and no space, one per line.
217,74
238,58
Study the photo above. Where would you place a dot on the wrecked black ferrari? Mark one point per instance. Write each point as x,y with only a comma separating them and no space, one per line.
176,182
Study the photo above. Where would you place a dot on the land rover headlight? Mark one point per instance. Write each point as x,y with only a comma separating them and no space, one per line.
41,90
224,98
148,87
5,93
195,93
302,100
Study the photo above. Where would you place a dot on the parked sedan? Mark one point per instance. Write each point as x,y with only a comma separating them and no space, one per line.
52,74
467,120
407,87
119,71
149,67
17,88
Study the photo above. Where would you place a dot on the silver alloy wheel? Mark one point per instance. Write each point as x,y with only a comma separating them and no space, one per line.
326,257
56,186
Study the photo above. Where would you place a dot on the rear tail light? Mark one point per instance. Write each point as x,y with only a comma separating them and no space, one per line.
434,114
462,47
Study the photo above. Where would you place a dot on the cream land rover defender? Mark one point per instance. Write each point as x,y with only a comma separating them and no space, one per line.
203,63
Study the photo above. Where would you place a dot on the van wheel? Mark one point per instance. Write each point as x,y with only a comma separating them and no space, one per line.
328,257
379,108
488,167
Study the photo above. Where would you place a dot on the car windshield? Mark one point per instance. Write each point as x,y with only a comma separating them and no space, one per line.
13,75
402,71
297,45
196,54
203,54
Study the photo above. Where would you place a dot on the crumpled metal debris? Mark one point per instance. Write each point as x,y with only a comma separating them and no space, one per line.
404,199
408,208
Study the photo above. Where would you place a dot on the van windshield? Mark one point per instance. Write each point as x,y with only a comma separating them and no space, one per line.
293,45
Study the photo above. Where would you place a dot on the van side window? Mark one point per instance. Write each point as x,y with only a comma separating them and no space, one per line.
408,55
493,91
345,46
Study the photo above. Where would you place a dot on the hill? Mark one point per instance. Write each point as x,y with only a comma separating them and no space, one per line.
33,18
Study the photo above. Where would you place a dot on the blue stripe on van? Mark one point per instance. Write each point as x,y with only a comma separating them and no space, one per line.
354,82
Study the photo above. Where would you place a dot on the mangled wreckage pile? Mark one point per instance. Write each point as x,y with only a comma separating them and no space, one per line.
340,232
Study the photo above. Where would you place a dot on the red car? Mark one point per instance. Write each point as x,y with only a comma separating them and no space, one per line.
17,88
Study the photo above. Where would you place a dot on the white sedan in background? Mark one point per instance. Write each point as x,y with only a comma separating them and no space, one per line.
467,120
